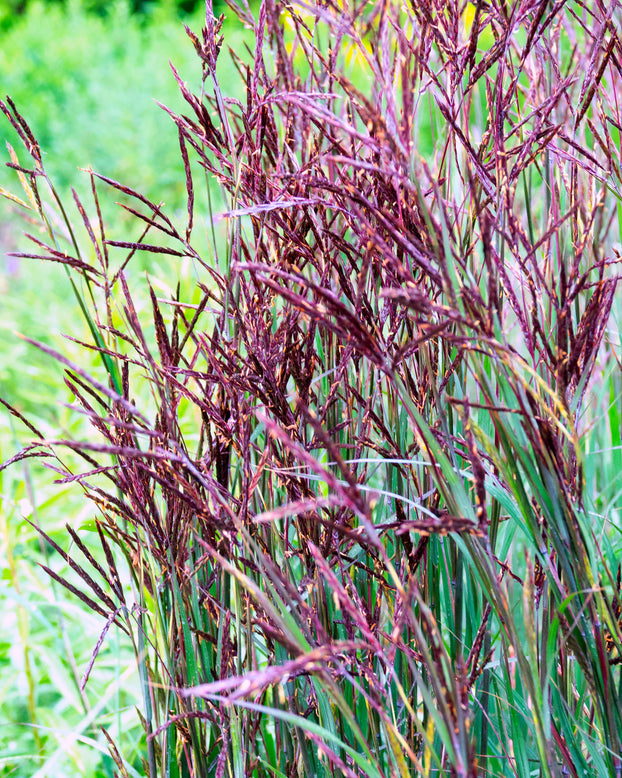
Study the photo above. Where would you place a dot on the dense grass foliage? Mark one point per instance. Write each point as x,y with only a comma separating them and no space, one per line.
355,487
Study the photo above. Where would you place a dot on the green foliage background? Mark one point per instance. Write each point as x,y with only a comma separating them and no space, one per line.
86,75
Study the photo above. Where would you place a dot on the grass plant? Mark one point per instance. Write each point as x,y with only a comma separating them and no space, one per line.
356,487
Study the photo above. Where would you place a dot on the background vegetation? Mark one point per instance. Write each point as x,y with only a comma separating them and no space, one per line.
341,475
88,83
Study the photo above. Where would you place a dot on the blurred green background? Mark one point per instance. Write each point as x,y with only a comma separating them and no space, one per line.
85,75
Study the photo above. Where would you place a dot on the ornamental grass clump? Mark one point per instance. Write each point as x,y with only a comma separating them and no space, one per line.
346,509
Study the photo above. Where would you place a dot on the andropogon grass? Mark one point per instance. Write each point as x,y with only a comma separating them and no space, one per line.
343,509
